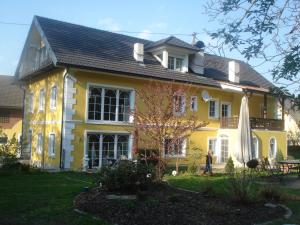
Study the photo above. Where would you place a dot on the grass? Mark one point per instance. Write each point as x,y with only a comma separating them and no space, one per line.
294,153
46,198
42,198
220,184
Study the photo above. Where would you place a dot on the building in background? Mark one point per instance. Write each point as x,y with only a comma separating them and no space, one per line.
11,108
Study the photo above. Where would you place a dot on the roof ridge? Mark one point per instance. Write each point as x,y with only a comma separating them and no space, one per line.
92,28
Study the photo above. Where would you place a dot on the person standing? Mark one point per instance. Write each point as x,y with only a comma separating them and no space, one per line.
208,163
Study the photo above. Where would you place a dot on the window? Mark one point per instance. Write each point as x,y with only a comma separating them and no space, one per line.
30,103
4,117
53,97
254,152
39,147
175,147
226,110
42,100
175,63
179,104
213,109
194,103
30,140
212,145
3,140
272,148
52,145
109,104
103,149
224,149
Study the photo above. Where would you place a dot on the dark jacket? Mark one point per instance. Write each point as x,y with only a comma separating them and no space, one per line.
208,159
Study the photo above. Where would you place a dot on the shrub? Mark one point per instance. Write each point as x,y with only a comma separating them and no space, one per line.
9,152
126,176
279,156
270,193
241,187
194,161
252,164
229,168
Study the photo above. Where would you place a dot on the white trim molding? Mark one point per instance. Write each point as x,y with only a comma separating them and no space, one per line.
68,125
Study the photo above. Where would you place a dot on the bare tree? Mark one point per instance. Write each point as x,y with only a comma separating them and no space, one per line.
161,114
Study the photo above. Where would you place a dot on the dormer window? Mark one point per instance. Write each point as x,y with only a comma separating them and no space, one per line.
175,63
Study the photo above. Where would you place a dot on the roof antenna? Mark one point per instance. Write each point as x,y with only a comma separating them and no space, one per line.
194,35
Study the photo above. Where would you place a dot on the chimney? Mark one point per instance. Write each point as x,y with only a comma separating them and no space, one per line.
234,71
138,52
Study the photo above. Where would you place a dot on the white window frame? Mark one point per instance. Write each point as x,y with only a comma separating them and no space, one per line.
29,139
51,152
106,132
194,99
224,137
257,146
42,98
275,146
39,143
183,105
216,144
183,150
229,109
217,106
30,102
175,59
53,101
117,88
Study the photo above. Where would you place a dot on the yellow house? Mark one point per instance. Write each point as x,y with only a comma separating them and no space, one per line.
81,84
11,109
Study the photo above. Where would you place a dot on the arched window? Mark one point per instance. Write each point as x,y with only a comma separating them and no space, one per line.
122,147
108,147
110,104
255,148
93,150
224,149
272,148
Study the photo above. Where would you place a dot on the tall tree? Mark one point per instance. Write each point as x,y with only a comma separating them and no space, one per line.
265,29
162,120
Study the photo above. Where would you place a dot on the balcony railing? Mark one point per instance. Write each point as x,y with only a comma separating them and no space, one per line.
255,123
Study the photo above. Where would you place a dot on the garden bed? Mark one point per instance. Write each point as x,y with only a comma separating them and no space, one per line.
162,204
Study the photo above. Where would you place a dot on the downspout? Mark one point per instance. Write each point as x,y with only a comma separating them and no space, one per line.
62,120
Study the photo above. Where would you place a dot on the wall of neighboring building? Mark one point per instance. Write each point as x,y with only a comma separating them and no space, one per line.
45,122
12,125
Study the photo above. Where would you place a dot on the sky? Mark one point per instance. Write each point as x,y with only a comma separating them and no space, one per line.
143,17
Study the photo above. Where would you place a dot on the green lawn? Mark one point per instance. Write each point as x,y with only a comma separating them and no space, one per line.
42,198
220,183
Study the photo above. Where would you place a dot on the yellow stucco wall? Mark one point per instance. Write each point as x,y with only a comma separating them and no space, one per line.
46,121
198,139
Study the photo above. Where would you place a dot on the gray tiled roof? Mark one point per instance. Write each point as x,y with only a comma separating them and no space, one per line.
11,95
173,41
216,67
89,48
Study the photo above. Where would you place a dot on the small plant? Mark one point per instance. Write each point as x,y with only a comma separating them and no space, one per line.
270,193
194,161
279,156
229,168
126,176
241,187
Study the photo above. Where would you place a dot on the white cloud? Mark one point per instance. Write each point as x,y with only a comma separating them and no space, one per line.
145,34
109,24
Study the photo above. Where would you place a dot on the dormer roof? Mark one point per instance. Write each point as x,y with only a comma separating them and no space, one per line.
172,41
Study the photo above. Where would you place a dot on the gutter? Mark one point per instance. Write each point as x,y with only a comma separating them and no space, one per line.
61,166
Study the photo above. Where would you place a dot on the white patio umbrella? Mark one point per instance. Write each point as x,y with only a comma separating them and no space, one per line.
243,151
